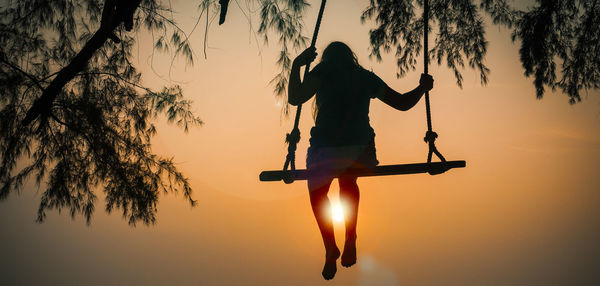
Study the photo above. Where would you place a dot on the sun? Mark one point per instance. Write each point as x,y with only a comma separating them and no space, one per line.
337,212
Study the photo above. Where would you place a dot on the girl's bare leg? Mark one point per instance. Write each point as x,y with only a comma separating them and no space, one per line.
350,195
318,189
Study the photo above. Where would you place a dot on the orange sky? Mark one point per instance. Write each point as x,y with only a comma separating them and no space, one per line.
525,211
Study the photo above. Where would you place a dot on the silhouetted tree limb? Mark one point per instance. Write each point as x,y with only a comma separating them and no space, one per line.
33,80
224,4
114,13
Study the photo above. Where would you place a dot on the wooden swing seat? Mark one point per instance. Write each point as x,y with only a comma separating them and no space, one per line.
402,169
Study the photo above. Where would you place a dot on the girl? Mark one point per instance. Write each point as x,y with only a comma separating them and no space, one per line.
342,136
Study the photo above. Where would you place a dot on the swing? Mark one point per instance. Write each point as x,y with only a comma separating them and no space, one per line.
433,168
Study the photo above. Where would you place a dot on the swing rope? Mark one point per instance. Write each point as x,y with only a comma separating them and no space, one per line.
293,137
430,135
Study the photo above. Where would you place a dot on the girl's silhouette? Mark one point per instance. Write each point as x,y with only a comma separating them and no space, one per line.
342,136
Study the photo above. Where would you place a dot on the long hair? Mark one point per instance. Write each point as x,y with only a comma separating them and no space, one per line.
339,57
338,54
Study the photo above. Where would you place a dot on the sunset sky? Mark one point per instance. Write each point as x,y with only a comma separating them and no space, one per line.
525,210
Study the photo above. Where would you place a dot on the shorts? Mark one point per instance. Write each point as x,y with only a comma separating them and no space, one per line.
332,161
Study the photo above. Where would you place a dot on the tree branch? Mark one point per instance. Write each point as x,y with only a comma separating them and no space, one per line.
41,106
34,80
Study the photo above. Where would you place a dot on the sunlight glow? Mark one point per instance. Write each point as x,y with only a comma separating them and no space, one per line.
337,211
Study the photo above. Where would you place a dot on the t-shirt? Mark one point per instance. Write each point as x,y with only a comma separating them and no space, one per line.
343,101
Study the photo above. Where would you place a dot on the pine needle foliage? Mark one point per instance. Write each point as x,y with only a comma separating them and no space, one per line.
560,45
284,18
559,40
458,27
97,130
93,132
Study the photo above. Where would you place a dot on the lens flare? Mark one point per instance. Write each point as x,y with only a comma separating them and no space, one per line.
337,212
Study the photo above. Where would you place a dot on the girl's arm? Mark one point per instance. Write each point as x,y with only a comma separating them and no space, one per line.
300,92
407,100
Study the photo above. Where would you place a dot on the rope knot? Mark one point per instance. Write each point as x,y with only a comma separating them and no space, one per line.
293,137
430,137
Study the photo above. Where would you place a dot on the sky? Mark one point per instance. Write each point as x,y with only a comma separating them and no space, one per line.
525,210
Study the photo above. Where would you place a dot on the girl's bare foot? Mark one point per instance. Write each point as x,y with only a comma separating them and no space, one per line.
330,268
